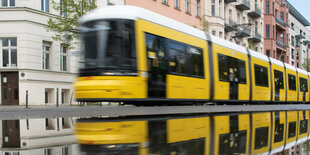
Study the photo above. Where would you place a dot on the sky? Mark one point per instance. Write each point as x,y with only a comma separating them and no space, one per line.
303,7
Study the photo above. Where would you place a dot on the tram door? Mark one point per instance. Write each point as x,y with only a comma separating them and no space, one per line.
233,72
157,66
278,82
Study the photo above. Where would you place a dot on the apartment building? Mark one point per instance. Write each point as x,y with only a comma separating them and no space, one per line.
238,21
299,39
276,29
189,12
32,64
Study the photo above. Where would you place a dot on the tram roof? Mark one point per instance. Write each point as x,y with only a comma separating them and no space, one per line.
302,71
133,13
276,62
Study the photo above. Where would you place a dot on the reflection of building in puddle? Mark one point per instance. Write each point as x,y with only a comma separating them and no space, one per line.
38,136
276,133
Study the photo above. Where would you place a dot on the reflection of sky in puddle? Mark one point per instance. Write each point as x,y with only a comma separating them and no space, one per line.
172,135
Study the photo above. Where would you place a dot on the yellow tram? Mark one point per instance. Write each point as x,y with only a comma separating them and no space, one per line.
241,133
133,55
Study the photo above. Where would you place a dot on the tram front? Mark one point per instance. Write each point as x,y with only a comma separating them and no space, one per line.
109,62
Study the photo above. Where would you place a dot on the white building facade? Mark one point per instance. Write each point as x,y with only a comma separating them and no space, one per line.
299,39
238,21
30,60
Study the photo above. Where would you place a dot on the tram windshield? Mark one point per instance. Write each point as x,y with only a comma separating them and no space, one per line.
108,48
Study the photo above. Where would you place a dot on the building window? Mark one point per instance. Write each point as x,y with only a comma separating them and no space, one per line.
293,41
65,94
267,7
66,123
45,5
282,16
63,8
213,32
268,53
212,7
187,6
220,8
47,151
292,26
63,58
49,124
46,49
9,52
267,31
197,8
65,151
7,3
176,4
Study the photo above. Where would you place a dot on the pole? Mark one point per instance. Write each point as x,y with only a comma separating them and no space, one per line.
26,99
57,104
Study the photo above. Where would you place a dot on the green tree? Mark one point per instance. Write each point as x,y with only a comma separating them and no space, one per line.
306,64
66,24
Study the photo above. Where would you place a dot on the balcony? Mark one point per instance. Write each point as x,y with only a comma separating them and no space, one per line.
280,21
243,5
307,42
244,32
281,45
256,13
299,37
255,38
230,26
229,1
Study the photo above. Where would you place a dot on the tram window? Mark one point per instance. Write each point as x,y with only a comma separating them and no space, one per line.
278,79
261,137
154,43
261,76
242,72
291,129
195,56
292,82
233,142
278,133
303,128
196,146
223,71
303,84
177,59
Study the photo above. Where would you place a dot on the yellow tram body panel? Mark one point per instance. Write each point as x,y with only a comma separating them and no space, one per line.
291,126
291,94
110,87
278,129
303,124
100,133
185,129
222,127
221,88
261,132
178,87
299,87
260,93
282,90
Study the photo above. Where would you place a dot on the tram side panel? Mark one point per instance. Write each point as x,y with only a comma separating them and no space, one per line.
261,80
188,135
261,132
291,82
231,77
303,86
303,126
231,134
278,130
291,129
184,62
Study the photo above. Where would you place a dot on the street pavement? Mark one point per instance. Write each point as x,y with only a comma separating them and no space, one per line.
20,112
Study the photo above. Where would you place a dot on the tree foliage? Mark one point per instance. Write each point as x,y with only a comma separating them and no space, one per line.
306,64
66,24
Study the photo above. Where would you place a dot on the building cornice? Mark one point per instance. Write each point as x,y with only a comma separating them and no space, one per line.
297,15
27,9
